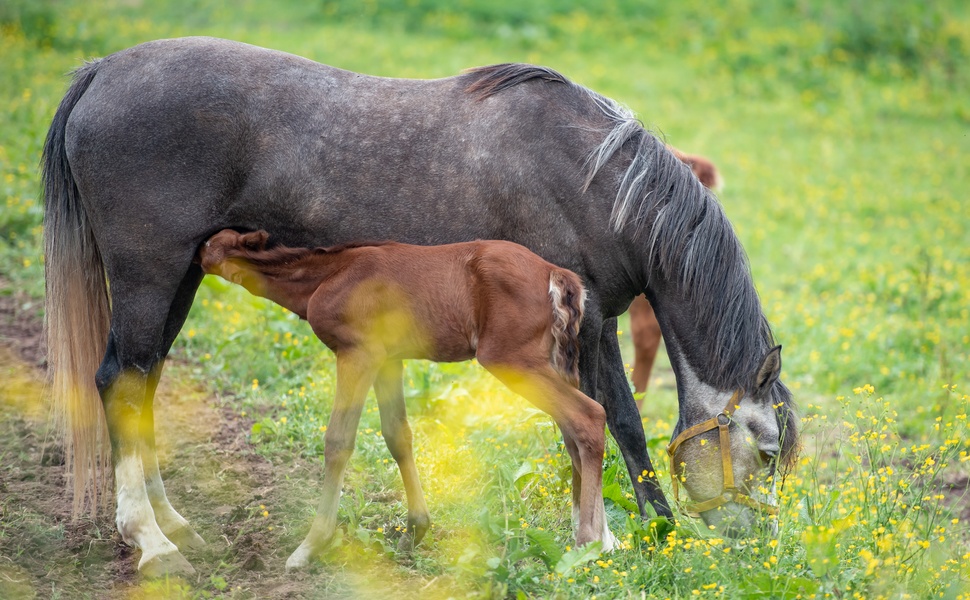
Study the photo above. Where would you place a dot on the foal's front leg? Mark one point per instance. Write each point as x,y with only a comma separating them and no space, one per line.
355,374
397,434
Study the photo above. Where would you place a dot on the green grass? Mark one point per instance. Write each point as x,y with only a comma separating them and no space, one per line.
841,130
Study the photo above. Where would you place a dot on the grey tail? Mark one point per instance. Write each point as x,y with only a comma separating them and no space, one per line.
78,314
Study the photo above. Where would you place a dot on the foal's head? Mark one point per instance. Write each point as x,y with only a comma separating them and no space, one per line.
225,254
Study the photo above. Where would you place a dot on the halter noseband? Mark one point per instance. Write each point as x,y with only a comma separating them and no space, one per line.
729,493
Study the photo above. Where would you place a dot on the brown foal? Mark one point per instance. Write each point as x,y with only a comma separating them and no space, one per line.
376,304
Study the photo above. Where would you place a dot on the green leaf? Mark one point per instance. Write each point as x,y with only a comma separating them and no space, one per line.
547,549
778,587
525,475
578,557
614,493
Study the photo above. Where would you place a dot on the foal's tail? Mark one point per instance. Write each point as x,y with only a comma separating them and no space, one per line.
568,297
78,312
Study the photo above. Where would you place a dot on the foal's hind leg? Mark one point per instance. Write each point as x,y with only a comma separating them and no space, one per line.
397,435
356,370
646,335
582,421
609,540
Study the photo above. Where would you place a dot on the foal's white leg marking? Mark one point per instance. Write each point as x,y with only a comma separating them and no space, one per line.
610,542
135,521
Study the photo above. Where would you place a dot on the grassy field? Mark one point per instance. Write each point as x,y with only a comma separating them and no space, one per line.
842,130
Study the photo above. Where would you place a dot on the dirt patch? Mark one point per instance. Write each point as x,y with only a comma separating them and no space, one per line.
211,474
251,512
21,328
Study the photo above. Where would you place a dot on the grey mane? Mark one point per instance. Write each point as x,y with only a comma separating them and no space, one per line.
691,245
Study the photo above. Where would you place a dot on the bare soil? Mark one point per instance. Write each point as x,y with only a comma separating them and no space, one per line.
212,475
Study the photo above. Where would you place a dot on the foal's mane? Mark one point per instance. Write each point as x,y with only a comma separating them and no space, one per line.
279,255
690,243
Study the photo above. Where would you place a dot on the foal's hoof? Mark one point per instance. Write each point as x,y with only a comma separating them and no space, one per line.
300,559
406,544
168,564
186,538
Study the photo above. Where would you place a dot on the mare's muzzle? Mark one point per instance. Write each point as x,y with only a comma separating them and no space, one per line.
730,492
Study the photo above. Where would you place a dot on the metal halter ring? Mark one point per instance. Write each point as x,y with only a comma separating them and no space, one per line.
730,492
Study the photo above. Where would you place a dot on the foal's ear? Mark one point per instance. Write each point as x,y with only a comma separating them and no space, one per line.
255,241
768,372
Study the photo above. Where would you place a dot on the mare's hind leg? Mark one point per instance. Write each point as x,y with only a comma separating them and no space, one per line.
356,370
175,527
135,350
397,434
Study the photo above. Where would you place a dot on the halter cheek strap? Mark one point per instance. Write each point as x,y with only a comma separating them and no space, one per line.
730,492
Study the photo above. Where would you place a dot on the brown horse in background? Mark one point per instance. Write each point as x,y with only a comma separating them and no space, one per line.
644,328
376,304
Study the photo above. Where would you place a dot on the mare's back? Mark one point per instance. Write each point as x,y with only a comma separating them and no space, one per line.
224,134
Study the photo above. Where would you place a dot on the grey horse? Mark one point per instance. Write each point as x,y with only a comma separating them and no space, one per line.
157,147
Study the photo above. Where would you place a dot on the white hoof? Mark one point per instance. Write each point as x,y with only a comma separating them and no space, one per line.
300,558
167,564
186,538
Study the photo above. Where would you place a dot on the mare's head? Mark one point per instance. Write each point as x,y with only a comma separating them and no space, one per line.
731,447
737,427
226,254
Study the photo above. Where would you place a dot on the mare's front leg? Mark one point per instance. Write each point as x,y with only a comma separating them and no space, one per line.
397,434
356,370
623,419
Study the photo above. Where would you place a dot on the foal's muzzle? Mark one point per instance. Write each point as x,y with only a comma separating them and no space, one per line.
730,492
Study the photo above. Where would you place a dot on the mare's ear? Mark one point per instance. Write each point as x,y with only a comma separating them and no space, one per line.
255,241
768,372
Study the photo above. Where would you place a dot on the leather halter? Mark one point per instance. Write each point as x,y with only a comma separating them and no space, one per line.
730,492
